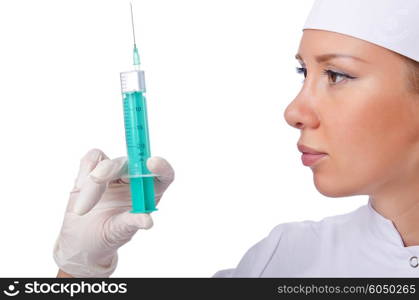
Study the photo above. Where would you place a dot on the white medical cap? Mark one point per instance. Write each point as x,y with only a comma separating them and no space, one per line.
392,24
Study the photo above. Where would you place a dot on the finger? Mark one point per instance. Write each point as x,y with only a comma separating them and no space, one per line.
96,183
165,172
89,196
87,164
80,202
110,170
121,227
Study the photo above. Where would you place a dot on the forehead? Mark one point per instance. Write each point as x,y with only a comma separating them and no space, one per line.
319,42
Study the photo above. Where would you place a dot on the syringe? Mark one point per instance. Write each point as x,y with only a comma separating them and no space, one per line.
137,135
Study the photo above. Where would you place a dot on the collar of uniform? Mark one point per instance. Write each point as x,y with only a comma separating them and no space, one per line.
386,230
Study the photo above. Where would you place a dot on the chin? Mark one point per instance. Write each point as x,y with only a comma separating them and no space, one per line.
332,186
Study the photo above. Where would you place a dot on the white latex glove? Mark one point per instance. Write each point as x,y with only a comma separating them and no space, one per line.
97,220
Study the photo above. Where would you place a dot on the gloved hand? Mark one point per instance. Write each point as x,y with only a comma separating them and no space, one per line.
97,220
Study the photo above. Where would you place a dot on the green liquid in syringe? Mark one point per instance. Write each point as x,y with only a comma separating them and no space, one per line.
138,148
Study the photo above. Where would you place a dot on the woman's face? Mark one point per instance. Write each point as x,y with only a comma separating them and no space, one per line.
366,121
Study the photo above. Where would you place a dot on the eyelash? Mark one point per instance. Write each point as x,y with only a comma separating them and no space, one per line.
325,72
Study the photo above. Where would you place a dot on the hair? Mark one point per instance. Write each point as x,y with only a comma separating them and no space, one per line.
413,74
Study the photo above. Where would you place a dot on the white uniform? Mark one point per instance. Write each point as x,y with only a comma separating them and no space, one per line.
361,243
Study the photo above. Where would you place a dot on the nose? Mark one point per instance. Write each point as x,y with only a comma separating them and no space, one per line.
301,113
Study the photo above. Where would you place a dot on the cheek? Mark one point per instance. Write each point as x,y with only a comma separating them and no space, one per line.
369,138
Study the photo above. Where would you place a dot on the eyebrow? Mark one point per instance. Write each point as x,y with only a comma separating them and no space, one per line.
329,56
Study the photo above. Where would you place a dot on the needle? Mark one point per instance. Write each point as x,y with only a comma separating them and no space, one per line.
135,53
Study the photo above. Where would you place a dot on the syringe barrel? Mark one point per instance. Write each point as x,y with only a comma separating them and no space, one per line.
137,141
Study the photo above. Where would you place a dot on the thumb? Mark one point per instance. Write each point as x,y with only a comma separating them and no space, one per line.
121,227
166,174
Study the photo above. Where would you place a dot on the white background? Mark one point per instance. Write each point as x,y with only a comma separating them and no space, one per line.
219,76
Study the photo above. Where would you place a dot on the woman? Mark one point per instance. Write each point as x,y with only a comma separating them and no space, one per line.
358,114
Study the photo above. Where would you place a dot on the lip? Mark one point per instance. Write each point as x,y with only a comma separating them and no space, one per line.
310,159
309,155
307,150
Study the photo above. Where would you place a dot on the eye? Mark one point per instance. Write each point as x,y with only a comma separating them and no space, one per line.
336,77
301,71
